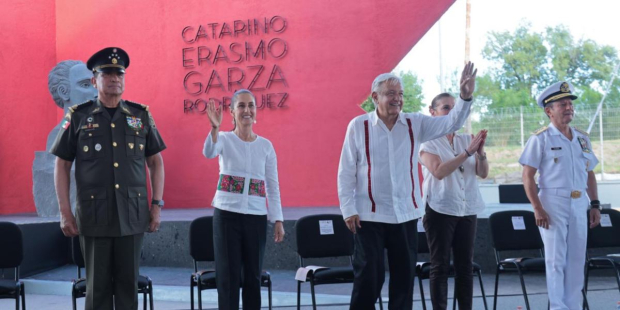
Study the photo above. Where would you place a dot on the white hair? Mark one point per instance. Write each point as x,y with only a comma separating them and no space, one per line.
390,78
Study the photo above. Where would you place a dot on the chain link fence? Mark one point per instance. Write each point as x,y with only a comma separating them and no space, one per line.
509,129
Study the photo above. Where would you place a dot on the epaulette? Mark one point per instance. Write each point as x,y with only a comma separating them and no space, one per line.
541,130
80,106
138,105
583,132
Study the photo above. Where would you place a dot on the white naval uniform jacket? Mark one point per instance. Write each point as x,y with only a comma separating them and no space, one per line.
379,177
562,164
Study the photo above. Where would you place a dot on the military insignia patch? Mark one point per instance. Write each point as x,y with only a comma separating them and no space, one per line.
134,122
65,124
584,144
564,88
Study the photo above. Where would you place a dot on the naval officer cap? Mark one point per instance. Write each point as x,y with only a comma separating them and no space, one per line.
556,92
109,59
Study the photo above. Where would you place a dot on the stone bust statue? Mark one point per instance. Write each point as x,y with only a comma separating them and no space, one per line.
69,84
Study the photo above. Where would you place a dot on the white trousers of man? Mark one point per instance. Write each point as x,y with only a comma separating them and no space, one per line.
565,246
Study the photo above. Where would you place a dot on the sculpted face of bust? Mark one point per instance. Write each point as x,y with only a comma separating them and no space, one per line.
81,89
69,84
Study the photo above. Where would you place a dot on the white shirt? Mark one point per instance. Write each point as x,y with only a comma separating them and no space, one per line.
561,163
456,194
393,194
248,173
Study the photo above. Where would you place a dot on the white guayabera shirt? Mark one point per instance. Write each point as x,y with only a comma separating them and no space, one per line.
379,177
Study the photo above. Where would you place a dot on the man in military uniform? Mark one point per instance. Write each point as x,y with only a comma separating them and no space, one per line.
563,156
110,140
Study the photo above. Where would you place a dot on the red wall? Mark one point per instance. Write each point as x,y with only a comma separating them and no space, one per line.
334,51
27,53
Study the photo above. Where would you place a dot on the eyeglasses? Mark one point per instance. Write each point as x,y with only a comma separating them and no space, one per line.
393,94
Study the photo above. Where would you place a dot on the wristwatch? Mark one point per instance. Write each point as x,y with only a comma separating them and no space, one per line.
595,204
159,203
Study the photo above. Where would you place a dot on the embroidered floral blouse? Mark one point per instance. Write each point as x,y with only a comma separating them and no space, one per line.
248,180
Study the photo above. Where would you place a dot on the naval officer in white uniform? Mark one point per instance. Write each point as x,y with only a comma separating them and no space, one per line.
563,156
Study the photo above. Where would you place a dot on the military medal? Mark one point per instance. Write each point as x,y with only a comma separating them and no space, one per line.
85,148
130,145
97,147
134,122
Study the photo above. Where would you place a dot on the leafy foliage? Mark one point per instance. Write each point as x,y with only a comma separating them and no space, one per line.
413,97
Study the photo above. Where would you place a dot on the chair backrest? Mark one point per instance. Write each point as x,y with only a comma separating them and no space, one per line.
512,193
602,237
334,239
201,239
505,237
11,245
76,252
422,242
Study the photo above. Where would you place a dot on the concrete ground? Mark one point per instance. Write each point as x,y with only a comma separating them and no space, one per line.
51,291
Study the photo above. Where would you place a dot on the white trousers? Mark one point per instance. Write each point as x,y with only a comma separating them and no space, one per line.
565,247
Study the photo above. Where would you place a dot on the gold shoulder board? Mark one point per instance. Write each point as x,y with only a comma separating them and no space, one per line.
583,132
541,130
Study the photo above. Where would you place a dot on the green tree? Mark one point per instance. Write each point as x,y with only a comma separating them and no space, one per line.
412,99
525,62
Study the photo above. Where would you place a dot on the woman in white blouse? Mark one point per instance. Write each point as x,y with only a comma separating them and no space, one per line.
451,164
248,181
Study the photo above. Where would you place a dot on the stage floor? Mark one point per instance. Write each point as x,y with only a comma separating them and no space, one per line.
290,213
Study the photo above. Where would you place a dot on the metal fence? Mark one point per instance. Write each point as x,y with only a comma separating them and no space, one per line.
510,128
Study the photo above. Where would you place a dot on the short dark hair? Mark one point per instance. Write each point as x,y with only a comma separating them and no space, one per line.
439,97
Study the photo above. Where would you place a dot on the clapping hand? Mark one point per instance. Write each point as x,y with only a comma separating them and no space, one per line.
468,81
477,143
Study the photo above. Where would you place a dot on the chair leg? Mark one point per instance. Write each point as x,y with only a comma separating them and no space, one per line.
422,293
150,293
484,297
23,291
527,302
191,292
586,306
269,292
618,277
380,302
17,295
313,298
585,285
496,284
454,297
199,293
298,295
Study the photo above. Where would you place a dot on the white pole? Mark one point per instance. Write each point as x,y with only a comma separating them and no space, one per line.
441,76
600,105
521,112
600,121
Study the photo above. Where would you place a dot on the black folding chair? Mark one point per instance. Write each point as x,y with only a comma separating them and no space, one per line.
312,244
201,249
604,237
78,290
506,238
12,255
423,271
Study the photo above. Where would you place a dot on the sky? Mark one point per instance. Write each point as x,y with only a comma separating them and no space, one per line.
591,19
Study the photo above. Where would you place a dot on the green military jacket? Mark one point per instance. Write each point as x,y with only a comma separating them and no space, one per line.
110,170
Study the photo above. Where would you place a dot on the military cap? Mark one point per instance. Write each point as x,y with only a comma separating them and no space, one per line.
556,92
109,59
